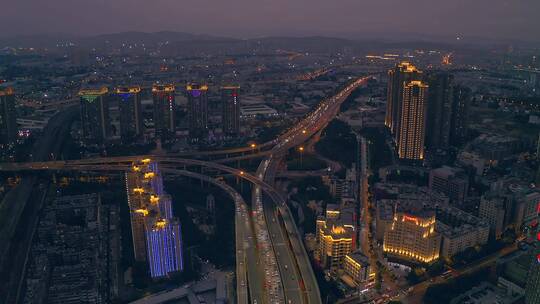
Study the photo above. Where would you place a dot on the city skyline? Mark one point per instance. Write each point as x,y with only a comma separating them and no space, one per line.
152,166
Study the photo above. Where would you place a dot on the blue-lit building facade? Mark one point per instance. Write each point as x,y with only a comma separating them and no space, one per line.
164,248
154,228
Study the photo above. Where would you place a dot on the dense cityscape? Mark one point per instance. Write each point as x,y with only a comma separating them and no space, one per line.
166,167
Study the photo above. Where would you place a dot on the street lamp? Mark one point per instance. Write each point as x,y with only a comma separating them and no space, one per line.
301,150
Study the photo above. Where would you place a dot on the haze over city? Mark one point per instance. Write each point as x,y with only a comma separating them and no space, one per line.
269,152
499,19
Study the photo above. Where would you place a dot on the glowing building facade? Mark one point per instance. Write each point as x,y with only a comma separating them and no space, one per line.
357,266
156,233
95,115
412,236
231,110
8,120
131,120
197,110
335,238
402,73
164,109
412,128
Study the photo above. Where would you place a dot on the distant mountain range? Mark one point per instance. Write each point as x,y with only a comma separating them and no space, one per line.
197,41
52,40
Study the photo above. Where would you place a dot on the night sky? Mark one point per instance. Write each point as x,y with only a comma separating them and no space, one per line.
517,19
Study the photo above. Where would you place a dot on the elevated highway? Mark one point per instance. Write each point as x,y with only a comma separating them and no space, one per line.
297,280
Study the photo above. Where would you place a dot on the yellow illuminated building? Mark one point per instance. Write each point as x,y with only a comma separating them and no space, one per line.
357,266
400,74
413,237
410,143
335,241
163,88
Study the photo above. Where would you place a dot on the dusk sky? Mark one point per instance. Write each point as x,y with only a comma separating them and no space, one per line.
248,18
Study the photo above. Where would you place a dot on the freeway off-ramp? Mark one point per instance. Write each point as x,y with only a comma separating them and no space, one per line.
295,272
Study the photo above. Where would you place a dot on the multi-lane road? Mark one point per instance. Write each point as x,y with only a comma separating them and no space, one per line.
249,273
297,277
295,281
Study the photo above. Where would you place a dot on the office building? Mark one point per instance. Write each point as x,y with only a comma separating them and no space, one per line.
8,119
131,119
439,111
493,210
460,230
412,236
460,110
357,266
95,115
230,102
412,128
156,233
525,203
336,237
197,110
138,193
164,110
402,73
164,247
450,181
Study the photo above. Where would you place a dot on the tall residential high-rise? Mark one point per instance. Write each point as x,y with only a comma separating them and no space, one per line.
197,110
412,236
138,194
402,73
95,115
439,110
164,247
460,109
156,233
164,109
131,119
231,110
412,128
8,120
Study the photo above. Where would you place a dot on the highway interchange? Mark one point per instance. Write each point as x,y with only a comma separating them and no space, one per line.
287,274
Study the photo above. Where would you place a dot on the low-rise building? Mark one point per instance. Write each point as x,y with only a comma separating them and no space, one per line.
412,235
460,230
486,293
453,182
357,266
492,210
